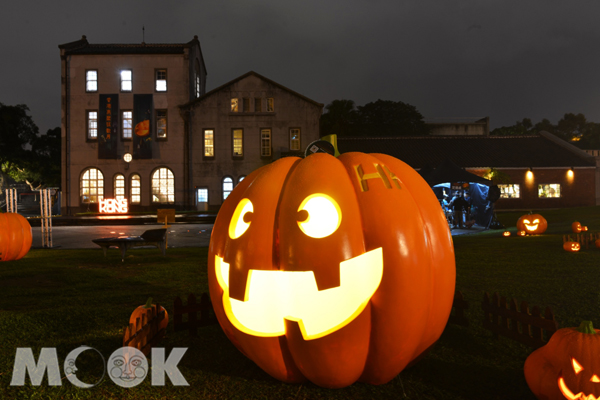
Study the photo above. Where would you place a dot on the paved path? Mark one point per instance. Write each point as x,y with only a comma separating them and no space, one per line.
80,237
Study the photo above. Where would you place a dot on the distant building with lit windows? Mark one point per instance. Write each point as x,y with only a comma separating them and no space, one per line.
137,125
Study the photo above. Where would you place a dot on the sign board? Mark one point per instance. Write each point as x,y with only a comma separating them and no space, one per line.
165,213
112,206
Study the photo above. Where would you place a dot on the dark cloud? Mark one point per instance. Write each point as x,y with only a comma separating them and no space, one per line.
505,59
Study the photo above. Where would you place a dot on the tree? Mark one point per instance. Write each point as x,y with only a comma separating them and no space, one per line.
390,118
339,118
520,128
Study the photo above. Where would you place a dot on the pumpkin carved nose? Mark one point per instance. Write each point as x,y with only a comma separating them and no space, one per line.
595,378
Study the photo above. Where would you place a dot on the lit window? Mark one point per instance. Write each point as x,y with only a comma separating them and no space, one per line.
91,81
257,104
135,189
246,104
92,124
127,118
92,186
270,104
238,142
197,73
209,143
227,186
202,195
265,142
510,191
163,186
161,80
234,105
549,190
241,178
119,187
294,139
126,80
161,124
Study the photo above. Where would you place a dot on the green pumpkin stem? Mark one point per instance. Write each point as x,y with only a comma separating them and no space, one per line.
149,303
586,327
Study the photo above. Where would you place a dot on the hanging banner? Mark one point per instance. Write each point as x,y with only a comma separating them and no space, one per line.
143,110
108,126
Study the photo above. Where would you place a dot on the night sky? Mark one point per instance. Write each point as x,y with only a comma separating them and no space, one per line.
450,59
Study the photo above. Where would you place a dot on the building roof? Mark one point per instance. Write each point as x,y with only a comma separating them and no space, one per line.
540,151
82,46
239,78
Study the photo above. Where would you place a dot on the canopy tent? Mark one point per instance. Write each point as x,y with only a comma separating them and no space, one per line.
441,178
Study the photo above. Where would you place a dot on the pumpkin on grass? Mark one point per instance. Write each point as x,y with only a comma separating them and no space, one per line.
15,236
141,310
576,227
568,367
333,270
571,246
533,224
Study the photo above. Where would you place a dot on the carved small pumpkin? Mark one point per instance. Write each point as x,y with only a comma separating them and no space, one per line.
533,224
584,228
506,233
314,263
576,227
521,233
597,243
141,310
15,236
572,247
568,367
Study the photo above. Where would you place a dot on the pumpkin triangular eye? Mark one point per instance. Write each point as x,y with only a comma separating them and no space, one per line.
526,221
595,378
536,221
576,366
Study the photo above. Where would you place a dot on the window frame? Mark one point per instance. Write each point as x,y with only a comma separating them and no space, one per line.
115,187
136,188
166,111
204,156
246,104
88,136
260,144
548,184
258,100
272,105
99,196
299,140
233,155
121,80
223,197
157,170
207,194
234,105
88,80
156,71
123,125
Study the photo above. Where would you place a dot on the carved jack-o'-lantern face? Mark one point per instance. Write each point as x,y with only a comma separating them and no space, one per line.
532,224
576,227
566,367
506,233
311,259
521,233
572,246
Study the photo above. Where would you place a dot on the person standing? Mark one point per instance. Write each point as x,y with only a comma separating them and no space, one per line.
458,204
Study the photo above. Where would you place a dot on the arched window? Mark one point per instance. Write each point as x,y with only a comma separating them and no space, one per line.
119,187
163,186
241,178
227,186
135,188
92,186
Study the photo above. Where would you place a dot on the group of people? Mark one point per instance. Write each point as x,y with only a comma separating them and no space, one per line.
458,209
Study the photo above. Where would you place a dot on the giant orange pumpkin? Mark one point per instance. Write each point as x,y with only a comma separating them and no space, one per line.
568,367
15,236
334,270
533,224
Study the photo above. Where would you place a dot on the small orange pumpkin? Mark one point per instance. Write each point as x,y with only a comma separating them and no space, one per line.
141,310
15,236
506,233
597,243
533,224
567,367
584,228
576,227
572,247
521,233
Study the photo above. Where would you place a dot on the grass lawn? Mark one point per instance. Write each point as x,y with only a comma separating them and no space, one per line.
68,298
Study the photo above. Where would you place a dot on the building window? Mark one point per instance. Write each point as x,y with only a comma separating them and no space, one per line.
241,178
163,186
91,80
265,142
202,195
549,190
238,142
197,74
295,139
246,104
270,105
227,186
92,186
510,191
127,121
126,80
161,124
92,124
135,189
209,143
257,104
234,105
161,80
119,187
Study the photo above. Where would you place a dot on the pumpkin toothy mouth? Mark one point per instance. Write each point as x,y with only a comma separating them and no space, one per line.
531,228
564,389
273,296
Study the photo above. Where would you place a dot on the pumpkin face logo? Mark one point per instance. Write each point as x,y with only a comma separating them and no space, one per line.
532,224
564,389
319,268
